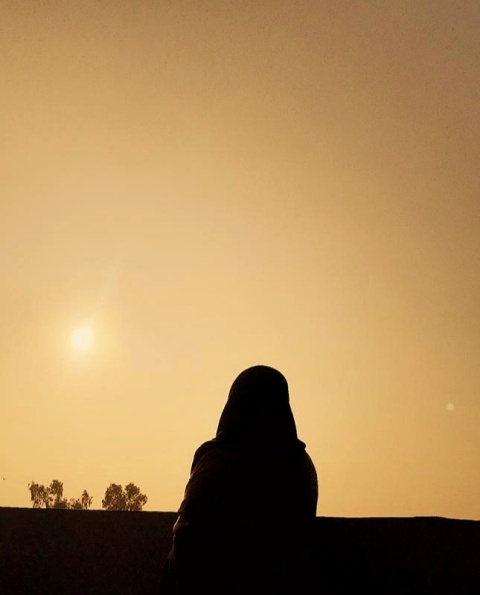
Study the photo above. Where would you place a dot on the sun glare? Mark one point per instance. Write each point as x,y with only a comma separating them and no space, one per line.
83,339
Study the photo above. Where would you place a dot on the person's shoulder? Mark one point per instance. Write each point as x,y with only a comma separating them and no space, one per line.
211,451
202,450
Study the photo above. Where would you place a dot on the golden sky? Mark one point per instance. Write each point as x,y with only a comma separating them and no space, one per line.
211,185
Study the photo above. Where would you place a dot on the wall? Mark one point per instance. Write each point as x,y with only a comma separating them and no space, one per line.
102,553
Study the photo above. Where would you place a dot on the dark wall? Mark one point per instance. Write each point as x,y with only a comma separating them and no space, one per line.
74,551
398,556
95,552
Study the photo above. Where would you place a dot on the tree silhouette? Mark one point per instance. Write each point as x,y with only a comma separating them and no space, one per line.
55,493
82,503
130,498
86,500
38,495
52,497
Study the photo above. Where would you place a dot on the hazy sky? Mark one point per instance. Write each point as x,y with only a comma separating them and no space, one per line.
214,184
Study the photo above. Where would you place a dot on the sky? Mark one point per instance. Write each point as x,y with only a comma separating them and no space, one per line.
211,185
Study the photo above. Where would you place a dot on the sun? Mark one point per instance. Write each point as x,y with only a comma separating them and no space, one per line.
83,339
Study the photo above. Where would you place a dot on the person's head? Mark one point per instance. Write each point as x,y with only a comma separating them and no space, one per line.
258,408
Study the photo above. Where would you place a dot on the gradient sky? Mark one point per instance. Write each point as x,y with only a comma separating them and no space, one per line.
217,184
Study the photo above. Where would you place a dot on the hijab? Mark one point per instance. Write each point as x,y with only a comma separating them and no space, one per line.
258,410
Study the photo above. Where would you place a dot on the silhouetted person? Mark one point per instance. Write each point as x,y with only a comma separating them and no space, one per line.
245,524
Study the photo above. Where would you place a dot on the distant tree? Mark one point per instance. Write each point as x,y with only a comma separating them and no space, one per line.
86,500
38,495
130,498
114,498
74,504
134,500
55,495
52,497
47,497
82,503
